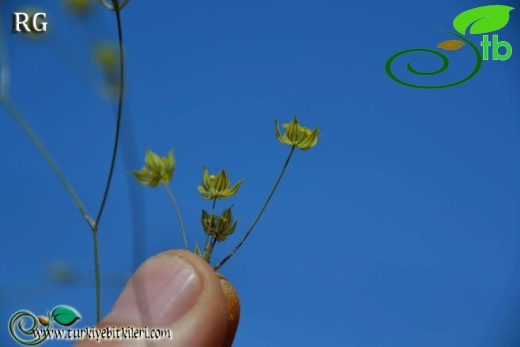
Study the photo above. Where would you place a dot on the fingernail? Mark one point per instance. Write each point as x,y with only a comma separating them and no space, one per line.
233,308
161,292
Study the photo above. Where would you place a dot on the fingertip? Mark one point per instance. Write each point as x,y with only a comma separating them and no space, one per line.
233,306
221,292
179,291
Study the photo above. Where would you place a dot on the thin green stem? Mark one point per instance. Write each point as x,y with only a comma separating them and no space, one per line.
223,261
208,248
178,214
5,70
119,112
22,123
207,241
117,8
18,117
97,275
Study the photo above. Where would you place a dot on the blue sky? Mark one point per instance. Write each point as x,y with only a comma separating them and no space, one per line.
400,228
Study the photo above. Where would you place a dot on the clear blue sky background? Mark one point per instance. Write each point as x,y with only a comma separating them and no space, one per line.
400,228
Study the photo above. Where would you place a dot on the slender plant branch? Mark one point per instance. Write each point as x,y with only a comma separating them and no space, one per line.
97,275
22,123
119,111
208,249
117,9
18,117
136,197
178,214
223,261
213,243
207,244
5,71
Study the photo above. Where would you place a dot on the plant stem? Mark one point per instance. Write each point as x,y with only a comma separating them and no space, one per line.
178,214
211,247
208,249
223,261
22,123
97,275
207,244
113,160
5,69
5,81
119,111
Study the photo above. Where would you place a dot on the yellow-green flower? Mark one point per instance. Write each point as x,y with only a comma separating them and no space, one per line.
297,135
157,170
217,187
78,7
106,56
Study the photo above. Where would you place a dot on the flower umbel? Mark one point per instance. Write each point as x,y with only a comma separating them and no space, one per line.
217,187
297,135
157,170
117,5
219,227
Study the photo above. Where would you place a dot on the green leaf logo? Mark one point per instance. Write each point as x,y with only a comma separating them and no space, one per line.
65,315
482,20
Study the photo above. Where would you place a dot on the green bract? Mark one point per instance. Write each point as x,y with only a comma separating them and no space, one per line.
219,227
297,135
217,187
225,226
208,222
157,170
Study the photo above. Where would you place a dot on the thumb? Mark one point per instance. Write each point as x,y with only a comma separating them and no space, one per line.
174,290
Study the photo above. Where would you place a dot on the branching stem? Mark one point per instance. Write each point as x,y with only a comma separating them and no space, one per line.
223,261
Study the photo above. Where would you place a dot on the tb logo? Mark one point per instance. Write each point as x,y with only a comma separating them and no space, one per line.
495,45
481,20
